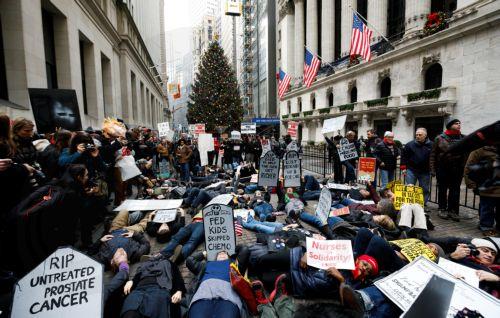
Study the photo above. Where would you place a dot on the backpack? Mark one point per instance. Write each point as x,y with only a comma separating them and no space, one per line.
45,199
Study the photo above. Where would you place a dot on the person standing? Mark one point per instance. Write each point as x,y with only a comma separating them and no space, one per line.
448,169
387,154
415,161
183,154
372,142
350,165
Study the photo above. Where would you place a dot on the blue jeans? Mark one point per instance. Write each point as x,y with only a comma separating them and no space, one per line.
386,176
311,183
215,307
260,227
424,181
192,193
489,210
263,209
377,305
189,236
202,198
185,171
311,195
311,219
350,172
332,220
251,188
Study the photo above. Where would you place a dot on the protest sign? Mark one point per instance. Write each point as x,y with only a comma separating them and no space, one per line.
191,128
292,146
128,168
366,169
164,168
163,129
248,128
460,271
338,186
341,211
165,216
333,125
404,286
223,199
67,284
347,150
243,213
266,146
324,254
205,144
219,230
407,194
254,178
292,128
269,168
324,205
199,129
291,169
148,205
412,248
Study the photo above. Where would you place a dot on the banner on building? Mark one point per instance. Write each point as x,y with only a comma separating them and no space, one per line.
219,230
407,194
269,168
248,128
324,254
324,205
163,129
366,169
293,126
291,169
347,150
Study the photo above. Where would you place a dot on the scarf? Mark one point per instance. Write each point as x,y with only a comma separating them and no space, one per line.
388,141
450,132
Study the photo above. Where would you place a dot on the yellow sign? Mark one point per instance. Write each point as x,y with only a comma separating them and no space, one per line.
413,248
407,194
391,184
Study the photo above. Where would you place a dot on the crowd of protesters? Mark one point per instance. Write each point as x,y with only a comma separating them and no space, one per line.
56,188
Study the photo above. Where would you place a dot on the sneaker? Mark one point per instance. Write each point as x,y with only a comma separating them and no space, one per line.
279,288
443,214
259,292
351,299
177,253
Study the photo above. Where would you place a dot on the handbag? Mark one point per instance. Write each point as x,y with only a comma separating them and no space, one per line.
242,287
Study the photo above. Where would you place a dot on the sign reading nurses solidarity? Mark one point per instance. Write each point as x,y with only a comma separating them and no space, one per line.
366,169
407,194
324,205
324,254
269,169
291,169
347,150
67,284
219,230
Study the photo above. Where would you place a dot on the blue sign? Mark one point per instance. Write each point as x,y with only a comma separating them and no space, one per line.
266,121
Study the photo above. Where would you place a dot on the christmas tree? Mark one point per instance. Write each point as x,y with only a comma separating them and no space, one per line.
215,99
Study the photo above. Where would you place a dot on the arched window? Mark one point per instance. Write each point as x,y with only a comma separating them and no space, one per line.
330,99
433,76
313,103
385,87
354,94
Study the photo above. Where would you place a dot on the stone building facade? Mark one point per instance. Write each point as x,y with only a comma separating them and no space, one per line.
91,46
421,80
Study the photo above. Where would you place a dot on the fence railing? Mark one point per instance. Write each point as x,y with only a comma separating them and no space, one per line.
316,159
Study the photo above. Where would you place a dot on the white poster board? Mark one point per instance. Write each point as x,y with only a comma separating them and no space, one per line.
333,125
460,271
67,284
243,213
292,146
218,222
148,205
165,216
266,146
324,205
205,143
269,169
248,128
128,168
404,286
163,129
347,150
223,199
291,169
324,254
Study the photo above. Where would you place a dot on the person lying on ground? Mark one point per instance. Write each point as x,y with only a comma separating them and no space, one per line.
164,231
262,226
295,212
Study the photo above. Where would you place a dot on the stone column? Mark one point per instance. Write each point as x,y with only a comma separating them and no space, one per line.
416,15
377,16
299,38
346,25
328,30
312,26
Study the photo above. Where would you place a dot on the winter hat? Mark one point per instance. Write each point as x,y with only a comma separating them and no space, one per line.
451,123
41,144
370,260
388,133
479,242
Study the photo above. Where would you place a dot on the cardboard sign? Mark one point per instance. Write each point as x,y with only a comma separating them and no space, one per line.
407,194
223,199
148,205
391,184
293,126
199,129
324,205
205,144
292,146
404,286
412,248
324,254
67,284
366,169
248,128
460,271
163,129
219,230
269,169
291,169
165,216
347,150
333,125
341,211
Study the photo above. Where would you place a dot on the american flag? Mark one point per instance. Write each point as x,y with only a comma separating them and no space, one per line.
283,83
311,67
238,229
360,38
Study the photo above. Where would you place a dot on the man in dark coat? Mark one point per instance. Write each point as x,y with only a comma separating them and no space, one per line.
387,154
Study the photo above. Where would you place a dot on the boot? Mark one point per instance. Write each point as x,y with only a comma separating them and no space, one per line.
327,232
351,299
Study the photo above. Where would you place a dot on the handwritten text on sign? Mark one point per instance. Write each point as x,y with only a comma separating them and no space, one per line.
219,230
324,254
407,194
347,150
324,205
269,170
366,169
67,284
291,169
165,216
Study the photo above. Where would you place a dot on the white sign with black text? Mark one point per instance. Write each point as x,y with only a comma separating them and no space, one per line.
163,129
269,169
165,216
347,150
218,222
324,205
291,169
248,128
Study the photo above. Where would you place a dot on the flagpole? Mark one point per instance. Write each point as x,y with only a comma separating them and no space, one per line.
371,25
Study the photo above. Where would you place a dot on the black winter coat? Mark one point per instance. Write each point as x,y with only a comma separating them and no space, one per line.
389,157
416,156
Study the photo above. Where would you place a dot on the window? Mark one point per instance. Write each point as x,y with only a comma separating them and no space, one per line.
279,35
330,99
381,126
4,93
299,104
354,94
338,26
443,6
84,83
107,89
313,103
433,76
385,87
49,48
279,54
395,19
362,8
289,107
134,95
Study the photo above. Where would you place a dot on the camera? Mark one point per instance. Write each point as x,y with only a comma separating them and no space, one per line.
473,250
89,146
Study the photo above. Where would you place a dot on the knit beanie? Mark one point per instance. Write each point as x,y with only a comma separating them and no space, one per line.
451,123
